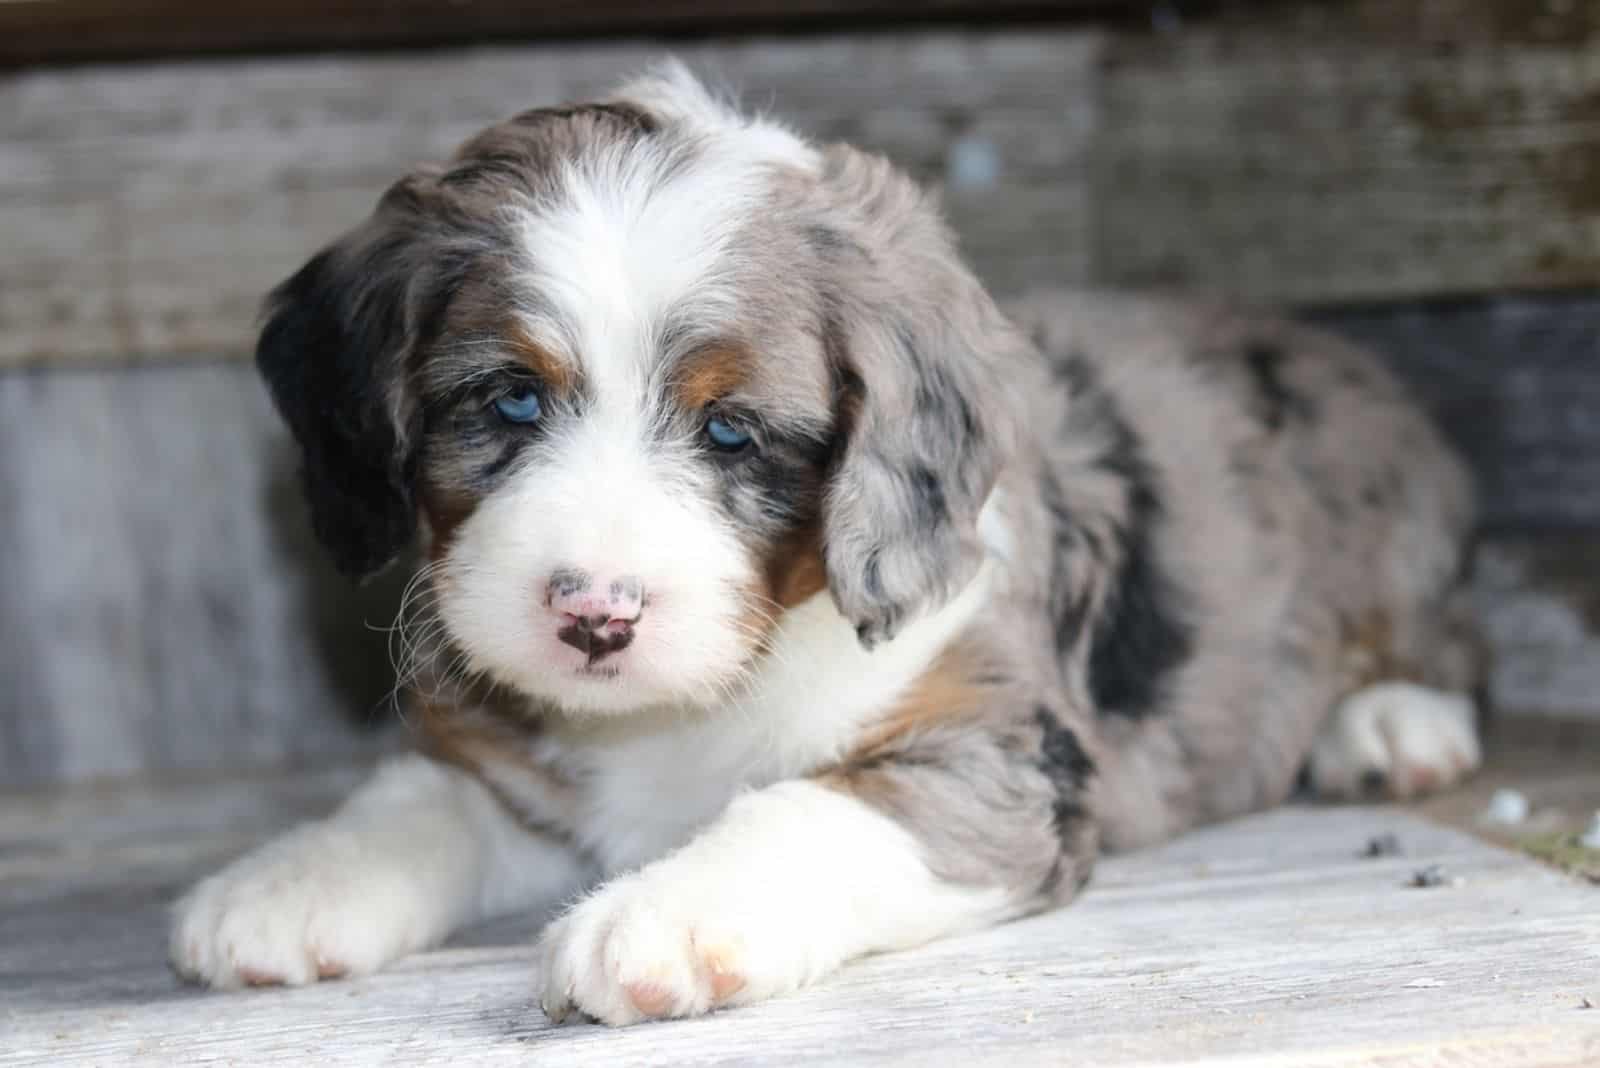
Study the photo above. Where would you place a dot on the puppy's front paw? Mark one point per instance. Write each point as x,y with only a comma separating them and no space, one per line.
1396,739
650,946
315,904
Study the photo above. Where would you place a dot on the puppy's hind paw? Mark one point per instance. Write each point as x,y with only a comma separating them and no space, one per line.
1395,739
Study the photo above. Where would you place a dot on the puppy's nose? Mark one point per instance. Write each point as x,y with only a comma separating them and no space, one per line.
594,616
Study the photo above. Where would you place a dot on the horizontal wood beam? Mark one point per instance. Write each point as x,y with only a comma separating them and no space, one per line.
33,31
146,209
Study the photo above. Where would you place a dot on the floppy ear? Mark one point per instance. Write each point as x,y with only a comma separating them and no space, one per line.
334,353
921,353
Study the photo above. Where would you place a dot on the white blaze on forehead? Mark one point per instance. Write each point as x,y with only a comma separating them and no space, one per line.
643,228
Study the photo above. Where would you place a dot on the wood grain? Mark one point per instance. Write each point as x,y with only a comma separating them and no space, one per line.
34,31
1346,157
148,210
165,607
1320,163
1539,602
1515,383
1262,942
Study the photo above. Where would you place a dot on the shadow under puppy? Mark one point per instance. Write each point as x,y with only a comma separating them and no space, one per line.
789,600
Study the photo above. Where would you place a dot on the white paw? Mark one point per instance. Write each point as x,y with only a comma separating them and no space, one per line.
315,904
650,946
1396,739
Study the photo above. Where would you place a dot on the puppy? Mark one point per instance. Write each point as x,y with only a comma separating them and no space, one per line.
785,600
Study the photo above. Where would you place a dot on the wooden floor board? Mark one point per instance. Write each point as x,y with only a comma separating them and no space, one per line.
1268,940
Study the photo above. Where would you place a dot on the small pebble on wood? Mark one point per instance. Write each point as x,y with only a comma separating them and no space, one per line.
1383,845
1507,807
1433,875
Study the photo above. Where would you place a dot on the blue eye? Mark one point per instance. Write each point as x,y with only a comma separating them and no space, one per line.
520,407
725,435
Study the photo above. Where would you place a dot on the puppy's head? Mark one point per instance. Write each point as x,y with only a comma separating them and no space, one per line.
646,373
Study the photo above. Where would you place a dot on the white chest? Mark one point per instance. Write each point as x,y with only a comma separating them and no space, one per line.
649,782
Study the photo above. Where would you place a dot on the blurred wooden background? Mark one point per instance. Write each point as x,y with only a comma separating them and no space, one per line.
1421,174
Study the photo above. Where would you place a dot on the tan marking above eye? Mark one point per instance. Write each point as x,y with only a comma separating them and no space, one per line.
556,374
711,373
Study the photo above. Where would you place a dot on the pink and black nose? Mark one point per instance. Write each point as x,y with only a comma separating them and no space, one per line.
595,617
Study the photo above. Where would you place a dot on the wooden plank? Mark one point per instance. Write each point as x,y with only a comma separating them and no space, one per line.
165,608
1313,162
1539,602
1515,383
34,31
148,208
1266,941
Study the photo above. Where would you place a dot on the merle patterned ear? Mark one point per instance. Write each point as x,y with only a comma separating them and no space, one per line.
921,352
333,353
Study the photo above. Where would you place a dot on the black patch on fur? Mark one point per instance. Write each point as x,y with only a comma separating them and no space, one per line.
322,353
939,400
1067,609
1141,640
1073,372
872,574
513,166
776,488
1279,402
1065,763
1140,637
337,350
829,241
927,495
1068,768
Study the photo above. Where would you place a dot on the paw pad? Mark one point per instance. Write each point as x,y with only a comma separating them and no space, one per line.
649,998
725,981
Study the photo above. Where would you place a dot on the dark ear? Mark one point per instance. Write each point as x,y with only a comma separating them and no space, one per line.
922,355
334,354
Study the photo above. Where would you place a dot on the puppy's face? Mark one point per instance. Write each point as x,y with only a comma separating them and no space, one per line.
648,374
626,424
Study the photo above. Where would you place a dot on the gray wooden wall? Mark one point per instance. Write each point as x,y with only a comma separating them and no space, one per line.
163,610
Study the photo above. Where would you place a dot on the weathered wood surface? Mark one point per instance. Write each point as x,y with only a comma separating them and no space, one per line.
1539,602
146,209
57,30
1315,165
167,611
1267,941
1515,383
164,606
